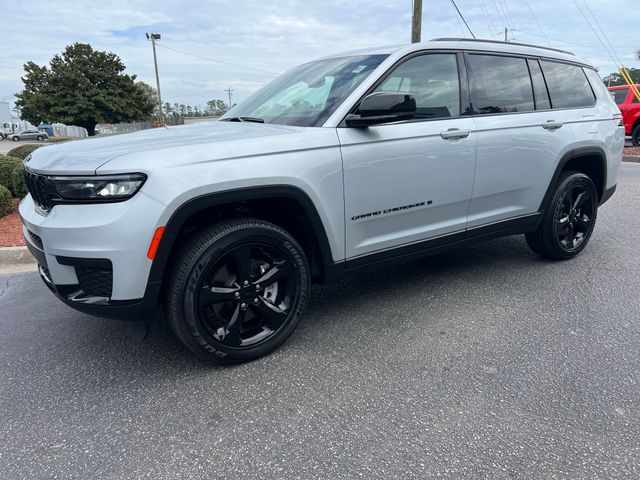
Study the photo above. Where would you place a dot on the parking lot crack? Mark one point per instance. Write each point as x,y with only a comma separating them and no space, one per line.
5,287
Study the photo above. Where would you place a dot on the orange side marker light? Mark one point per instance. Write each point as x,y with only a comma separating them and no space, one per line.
155,242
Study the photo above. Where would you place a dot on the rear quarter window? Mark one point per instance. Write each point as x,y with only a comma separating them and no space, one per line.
568,85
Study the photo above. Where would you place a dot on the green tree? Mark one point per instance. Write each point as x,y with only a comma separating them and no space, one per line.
217,107
616,79
83,87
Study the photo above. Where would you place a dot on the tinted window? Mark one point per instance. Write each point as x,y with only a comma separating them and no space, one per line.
540,93
635,99
500,84
620,95
568,85
432,80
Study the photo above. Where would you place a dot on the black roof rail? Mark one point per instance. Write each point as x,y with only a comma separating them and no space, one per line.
482,40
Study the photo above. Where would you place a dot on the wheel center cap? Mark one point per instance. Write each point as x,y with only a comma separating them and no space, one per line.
247,292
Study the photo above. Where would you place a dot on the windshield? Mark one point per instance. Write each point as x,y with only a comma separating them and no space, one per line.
307,95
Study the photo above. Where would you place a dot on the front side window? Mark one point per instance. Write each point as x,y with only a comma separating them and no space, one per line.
500,84
307,95
433,80
568,85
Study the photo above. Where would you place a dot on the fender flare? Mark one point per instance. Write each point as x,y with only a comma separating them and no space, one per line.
202,202
570,155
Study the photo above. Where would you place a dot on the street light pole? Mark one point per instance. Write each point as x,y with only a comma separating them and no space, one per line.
154,37
416,24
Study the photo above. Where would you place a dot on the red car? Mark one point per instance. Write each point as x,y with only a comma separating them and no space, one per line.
629,105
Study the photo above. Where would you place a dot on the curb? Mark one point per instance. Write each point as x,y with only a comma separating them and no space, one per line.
631,158
16,259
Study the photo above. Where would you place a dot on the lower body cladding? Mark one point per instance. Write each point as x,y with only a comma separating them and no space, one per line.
94,256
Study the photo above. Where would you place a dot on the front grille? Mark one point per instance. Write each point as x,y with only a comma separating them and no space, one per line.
95,282
36,239
41,189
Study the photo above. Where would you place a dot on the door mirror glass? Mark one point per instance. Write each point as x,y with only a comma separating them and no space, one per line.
383,107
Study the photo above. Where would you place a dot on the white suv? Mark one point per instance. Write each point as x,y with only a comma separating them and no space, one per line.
378,155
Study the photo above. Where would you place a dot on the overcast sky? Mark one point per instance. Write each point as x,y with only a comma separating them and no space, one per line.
267,37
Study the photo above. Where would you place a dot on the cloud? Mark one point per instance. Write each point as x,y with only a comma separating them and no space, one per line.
276,35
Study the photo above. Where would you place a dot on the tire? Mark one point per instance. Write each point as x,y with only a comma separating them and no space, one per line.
568,220
16,138
246,318
40,138
635,136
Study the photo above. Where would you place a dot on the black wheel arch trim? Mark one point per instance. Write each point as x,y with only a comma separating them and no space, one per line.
202,202
570,155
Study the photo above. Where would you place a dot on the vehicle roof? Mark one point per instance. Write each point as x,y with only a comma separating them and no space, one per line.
470,44
618,87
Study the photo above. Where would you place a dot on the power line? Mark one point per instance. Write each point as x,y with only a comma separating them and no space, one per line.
490,24
218,61
602,31
611,57
526,2
462,17
508,12
503,20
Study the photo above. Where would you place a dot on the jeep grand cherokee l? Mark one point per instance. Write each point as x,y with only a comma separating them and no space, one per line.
373,156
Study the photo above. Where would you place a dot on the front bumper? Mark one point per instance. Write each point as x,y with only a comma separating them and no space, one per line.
94,256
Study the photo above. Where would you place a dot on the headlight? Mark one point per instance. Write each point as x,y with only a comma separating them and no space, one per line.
99,188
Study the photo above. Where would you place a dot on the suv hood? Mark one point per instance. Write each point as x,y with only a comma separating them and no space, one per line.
183,144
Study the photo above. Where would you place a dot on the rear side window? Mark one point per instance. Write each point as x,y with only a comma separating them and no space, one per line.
500,84
568,85
619,96
539,87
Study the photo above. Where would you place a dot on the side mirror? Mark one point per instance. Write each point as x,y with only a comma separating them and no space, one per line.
383,107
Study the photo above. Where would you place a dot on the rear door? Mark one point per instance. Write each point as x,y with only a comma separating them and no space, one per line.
411,181
520,135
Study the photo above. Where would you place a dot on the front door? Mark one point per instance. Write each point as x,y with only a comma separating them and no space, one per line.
411,181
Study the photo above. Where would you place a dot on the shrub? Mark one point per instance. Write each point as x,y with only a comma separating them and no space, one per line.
18,187
7,167
23,151
5,200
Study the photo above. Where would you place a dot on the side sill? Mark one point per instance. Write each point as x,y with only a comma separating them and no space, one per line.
516,226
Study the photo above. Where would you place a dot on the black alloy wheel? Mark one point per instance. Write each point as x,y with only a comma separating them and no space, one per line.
246,294
574,216
569,219
635,136
237,290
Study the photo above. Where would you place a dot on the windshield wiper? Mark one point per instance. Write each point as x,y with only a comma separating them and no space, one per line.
244,119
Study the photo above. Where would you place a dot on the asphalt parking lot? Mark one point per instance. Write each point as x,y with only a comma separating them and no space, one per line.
481,363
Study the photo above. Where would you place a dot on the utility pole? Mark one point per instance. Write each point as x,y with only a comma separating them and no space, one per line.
506,30
416,24
229,91
155,37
